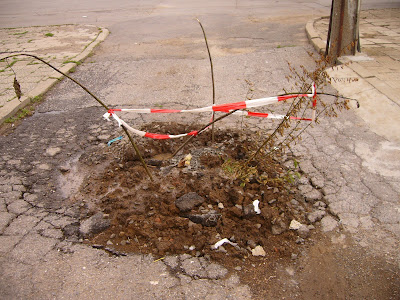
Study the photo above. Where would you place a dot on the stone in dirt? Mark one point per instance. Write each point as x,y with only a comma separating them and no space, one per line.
95,224
258,251
303,231
71,230
209,219
189,201
279,227
294,225
248,211
276,229
52,151
316,216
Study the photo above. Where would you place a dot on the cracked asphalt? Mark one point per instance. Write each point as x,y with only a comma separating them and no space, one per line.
351,169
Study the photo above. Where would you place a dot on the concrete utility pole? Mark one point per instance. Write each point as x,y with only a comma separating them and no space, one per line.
343,34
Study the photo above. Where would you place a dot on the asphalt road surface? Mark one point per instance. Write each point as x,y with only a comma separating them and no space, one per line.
155,56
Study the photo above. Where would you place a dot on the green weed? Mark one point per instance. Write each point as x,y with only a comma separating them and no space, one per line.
77,62
20,33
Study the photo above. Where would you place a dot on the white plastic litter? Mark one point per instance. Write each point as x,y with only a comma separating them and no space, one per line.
256,208
221,242
294,225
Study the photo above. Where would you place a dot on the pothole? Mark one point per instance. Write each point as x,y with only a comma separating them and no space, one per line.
194,201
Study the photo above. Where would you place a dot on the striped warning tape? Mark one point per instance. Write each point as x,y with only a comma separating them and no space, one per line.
227,107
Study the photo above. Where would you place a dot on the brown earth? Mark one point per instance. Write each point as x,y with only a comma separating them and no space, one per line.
145,219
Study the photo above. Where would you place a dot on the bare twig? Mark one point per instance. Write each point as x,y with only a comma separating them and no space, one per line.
137,152
212,78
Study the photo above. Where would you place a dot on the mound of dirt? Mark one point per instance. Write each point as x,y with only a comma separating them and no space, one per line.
194,201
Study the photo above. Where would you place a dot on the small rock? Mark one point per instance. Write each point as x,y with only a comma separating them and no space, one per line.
52,151
258,225
123,243
210,219
249,211
272,201
303,231
294,256
188,201
251,244
258,251
238,268
95,224
300,240
294,225
277,229
239,206
112,236
316,216
220,205
110,243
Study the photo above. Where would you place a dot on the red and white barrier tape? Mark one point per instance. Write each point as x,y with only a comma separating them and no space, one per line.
215,108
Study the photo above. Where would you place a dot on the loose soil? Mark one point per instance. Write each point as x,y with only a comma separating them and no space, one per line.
145,219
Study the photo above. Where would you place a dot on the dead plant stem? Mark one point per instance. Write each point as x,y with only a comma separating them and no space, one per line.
137,152
212,78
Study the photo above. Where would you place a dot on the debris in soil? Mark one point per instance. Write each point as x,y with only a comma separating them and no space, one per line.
190,208
189,201
95,224
258,251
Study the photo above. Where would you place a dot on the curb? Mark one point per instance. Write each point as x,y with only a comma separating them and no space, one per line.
314,38
365,90
10,109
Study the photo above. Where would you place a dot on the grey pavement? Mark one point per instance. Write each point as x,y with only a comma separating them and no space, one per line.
377,68
350,164
62,46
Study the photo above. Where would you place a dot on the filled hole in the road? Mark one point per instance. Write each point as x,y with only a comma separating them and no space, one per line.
195,204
